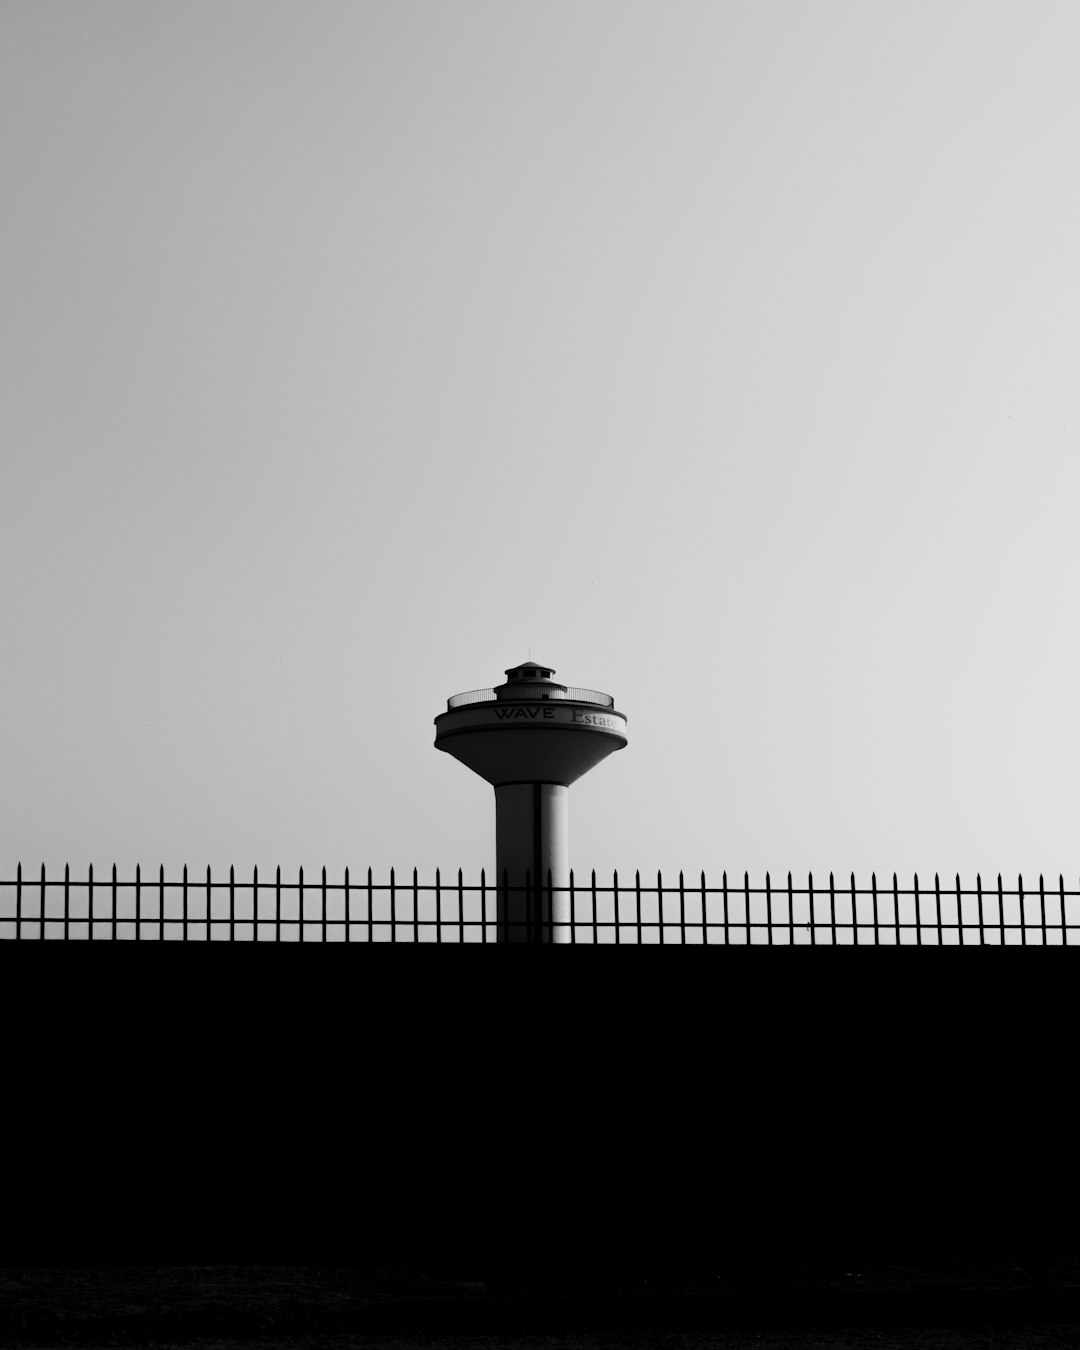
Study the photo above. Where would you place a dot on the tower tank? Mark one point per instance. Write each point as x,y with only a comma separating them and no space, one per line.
530,738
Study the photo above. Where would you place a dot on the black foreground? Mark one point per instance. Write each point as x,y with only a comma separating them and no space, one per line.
130,1305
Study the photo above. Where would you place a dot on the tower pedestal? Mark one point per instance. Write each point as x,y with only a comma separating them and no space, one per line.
531,827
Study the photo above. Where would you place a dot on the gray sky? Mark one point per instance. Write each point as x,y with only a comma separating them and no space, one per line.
725,354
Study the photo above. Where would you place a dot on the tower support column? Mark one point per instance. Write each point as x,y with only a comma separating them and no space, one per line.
531,839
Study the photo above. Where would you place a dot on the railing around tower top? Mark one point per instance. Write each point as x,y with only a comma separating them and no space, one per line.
527,691
682,912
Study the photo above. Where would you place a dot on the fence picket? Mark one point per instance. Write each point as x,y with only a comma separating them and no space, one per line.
854,914
768,909
1001,911
1023,923
978,891
790,913
1042,908
637,893
1061,892
959,911
810,893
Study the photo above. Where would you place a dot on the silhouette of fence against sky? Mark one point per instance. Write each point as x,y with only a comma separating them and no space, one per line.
679,913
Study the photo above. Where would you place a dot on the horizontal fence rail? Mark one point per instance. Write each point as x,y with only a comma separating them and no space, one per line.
680,913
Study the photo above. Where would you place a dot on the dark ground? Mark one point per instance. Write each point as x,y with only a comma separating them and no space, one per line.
1009,1303
332,1148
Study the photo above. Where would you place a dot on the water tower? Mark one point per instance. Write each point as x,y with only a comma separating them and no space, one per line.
531,738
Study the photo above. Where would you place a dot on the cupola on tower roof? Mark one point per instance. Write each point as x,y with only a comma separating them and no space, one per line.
530,670
532,679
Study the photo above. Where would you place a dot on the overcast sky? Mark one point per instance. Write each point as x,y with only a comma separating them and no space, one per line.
725,354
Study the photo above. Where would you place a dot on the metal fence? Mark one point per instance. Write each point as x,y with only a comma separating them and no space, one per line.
399,911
